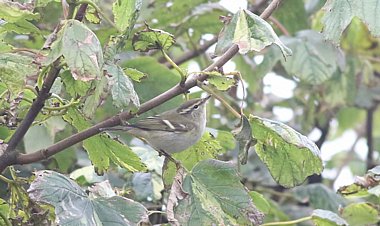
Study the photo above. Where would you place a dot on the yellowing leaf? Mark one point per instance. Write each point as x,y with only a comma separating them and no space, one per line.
82,51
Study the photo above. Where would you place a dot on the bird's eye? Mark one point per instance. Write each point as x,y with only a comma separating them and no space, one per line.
196,106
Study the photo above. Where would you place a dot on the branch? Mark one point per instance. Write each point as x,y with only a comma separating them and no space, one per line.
324,132
194,53
81,12
9,156
279,25
154,102
369,135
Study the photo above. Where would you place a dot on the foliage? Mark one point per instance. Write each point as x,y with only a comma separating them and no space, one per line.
69,69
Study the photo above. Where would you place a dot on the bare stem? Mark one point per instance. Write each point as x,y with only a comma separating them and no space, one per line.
215,95
288,222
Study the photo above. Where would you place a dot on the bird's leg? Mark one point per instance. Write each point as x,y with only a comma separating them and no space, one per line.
167,155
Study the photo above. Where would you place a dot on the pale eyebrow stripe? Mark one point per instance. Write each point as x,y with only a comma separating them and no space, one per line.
189,108
168,123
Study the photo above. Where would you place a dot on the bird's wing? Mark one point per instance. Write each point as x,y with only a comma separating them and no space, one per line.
159,124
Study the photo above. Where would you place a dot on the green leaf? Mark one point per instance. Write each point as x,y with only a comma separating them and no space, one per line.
149,39
92,15
358,39
250,33
123,93
339,14
353,190
4,47
216,196
82,51
101,148
17,17
275,213
226,140
221,82
40,133
179,13
319,197
341,88
74,207
314,61
292,15
289,156
206,148
327,218
360,214
14,70
100,93
126,14
243,134
74,87
43,3
260,202
120,154
134,74
5,210
56,48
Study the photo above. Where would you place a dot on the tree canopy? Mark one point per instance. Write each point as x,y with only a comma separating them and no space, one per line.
292,117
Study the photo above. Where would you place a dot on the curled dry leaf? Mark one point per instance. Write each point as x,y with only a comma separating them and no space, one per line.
176,193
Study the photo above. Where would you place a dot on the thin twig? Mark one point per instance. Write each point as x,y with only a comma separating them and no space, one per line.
194,53
279,25
213,93
288,222
369,135
36,107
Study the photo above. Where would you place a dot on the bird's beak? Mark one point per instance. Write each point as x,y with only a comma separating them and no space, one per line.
205,99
